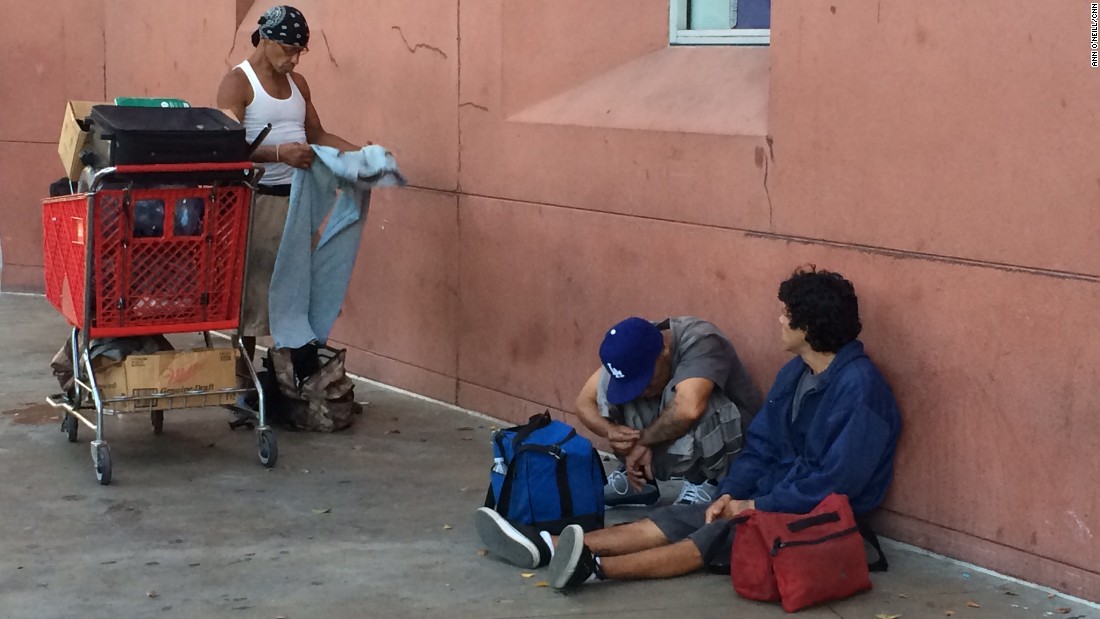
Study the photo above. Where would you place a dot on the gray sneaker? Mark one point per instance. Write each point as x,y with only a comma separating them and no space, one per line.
618,492
520,546
573,563
697,494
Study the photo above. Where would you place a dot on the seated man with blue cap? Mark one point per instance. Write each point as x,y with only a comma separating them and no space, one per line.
673,399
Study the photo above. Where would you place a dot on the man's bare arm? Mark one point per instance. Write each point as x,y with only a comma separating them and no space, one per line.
234,94
588,410
679,417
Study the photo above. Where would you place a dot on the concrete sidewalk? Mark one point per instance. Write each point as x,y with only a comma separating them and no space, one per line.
371,522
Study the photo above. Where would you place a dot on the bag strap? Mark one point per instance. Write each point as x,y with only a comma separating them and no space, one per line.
536,422
561,470
505,500
880,565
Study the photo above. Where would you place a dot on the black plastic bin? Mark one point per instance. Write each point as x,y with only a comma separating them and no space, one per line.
121,135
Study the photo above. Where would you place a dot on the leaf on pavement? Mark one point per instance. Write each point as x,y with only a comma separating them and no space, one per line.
973,604
323,511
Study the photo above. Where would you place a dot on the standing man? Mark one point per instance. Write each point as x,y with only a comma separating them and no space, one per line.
830,424
673,399
265,89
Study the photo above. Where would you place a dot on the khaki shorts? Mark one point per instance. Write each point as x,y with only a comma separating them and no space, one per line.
268,221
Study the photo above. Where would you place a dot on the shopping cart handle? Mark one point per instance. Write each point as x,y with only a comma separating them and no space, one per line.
256,171
182,167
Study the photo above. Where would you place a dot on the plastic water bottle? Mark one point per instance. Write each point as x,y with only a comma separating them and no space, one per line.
148,218
188,219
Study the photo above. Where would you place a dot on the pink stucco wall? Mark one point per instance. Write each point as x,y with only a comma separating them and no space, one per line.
569,168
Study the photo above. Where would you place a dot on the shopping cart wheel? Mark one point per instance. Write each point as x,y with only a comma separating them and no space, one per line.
69,426
158,421
102,458
269,449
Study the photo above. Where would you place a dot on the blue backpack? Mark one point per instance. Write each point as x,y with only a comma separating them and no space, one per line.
547,476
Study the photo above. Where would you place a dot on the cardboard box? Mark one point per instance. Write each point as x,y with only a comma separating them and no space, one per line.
73,138
168,372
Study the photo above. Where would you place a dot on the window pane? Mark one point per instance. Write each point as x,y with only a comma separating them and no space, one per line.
754,13
711,14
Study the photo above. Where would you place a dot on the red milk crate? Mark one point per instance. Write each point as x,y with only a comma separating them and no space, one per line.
163,259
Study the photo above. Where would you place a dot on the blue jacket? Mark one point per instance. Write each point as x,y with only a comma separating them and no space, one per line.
842,441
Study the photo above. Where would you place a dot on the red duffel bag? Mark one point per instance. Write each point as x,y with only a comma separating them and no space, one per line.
802,559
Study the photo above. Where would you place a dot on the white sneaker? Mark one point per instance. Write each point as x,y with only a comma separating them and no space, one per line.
692,494
618,492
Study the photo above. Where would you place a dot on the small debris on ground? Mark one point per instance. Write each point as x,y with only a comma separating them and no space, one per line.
152,594
323,511
973,604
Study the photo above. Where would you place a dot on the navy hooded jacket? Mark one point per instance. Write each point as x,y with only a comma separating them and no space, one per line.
843,440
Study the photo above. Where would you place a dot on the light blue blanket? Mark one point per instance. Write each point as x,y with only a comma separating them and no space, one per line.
309,283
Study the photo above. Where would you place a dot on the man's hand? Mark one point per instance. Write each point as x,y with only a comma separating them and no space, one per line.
296,155
726,508
639,466
622,438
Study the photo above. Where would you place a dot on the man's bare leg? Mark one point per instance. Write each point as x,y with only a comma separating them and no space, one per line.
624,539
575,561
665,561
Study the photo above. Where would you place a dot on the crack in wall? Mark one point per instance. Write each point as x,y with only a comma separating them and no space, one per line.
768,193
328,49
419,46
475,105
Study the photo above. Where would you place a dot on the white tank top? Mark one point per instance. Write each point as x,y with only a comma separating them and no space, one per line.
287,118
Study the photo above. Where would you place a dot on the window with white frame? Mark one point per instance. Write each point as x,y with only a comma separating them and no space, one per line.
719,22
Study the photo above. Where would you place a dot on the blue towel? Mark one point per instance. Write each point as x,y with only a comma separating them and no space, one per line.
308,284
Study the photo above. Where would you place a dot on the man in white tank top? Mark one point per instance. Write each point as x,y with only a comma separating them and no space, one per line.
261,90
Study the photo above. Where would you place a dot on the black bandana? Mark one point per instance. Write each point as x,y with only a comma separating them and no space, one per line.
282,24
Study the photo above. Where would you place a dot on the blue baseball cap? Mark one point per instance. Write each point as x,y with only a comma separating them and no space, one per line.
629,354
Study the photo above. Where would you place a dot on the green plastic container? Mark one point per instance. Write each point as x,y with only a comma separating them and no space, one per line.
150,102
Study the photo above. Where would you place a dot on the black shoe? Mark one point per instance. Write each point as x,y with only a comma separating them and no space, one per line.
573,563
520,546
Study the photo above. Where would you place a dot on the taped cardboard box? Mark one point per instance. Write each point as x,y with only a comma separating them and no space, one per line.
73,136
168,372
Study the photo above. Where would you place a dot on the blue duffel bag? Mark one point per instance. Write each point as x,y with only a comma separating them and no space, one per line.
547,476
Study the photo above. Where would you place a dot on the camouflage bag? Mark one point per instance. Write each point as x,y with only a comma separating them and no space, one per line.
322,402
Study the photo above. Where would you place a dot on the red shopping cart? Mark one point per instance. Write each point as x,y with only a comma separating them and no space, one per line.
150,249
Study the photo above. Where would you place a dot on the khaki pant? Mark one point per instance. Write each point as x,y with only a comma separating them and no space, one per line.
268,221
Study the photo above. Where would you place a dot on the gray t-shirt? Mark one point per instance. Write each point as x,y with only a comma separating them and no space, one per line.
806,383
698,349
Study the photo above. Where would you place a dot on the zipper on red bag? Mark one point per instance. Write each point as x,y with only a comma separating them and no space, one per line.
779,543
